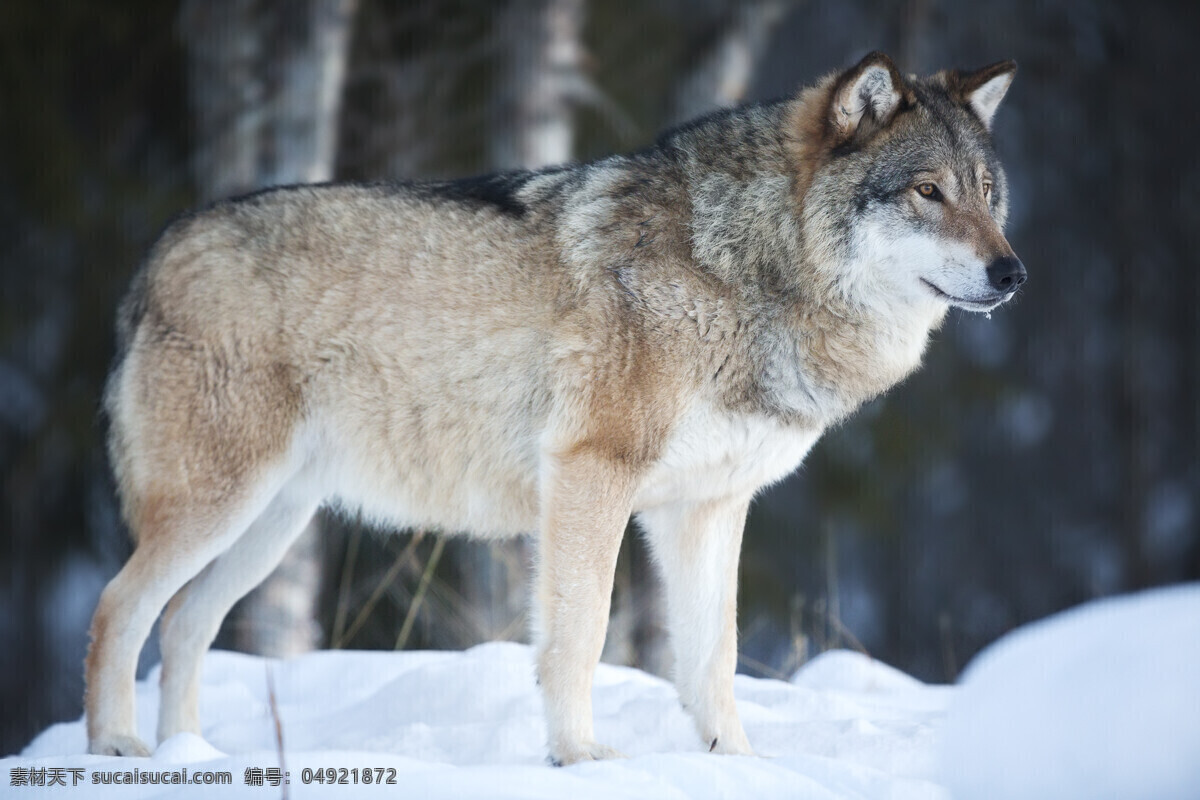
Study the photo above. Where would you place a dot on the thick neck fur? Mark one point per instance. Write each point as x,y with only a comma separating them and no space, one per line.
823,333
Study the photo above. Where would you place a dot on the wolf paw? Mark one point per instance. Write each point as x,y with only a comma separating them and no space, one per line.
730,740
588,751
118,745
730,746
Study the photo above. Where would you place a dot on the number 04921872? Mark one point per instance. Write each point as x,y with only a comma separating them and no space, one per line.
343,775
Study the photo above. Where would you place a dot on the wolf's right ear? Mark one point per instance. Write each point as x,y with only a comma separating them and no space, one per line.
866,97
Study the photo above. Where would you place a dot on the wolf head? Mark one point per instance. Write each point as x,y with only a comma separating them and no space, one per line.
901,193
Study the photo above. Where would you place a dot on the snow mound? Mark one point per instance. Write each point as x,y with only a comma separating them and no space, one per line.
186,748
848,671
1099,702
1102,701
470,724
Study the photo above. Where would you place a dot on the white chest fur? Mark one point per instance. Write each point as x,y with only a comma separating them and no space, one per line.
717,454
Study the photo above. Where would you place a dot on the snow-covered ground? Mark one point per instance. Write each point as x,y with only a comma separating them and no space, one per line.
1103,701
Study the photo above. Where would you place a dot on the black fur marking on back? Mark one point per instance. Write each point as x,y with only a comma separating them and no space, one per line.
264,194
497,191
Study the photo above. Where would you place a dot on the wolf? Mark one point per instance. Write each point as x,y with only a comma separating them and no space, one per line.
657,335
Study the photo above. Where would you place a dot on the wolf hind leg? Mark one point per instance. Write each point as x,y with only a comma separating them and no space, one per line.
176,540
194,615
697,547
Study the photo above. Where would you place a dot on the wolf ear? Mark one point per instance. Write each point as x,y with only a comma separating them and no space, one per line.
867,96
982,90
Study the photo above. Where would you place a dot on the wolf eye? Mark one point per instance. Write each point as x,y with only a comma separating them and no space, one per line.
929,191
987,190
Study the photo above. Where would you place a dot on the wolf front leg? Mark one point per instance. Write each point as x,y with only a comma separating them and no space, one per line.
586,501
697,546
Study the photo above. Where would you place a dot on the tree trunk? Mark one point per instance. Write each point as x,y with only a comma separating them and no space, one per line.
224,47
725,64
543,47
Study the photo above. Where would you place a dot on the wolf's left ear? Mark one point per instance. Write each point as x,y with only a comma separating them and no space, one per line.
982,90
867,96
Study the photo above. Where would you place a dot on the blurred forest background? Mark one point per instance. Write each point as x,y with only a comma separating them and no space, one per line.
1043,457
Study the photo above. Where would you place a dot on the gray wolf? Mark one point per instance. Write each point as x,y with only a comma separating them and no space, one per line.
657,335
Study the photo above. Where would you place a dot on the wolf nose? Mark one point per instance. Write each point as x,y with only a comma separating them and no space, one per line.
1006,274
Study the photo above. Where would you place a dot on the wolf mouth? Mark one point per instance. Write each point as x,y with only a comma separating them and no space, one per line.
962,302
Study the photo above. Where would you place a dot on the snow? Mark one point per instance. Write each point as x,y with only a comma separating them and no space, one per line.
1099,702
1102,701
469,724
